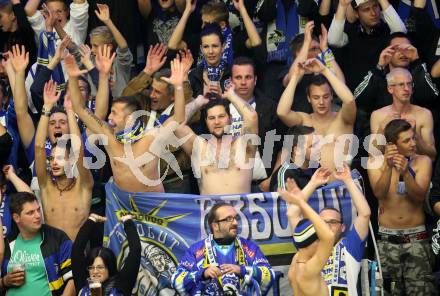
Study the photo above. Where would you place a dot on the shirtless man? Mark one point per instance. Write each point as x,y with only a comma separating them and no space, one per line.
223,164
314,241
323,119
401,185
66,199
400,86
130,173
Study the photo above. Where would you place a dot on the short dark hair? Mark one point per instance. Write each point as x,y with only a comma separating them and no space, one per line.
297,42
83,79
212,214
299,130
164,72
57,109
212,29
316,80
131,102
216,9
213,103
68,144
394,128
107,256
17,200
244,60
397,35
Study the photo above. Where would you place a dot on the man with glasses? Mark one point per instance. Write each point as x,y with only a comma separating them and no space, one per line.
400,86
342,268
223,263
372,94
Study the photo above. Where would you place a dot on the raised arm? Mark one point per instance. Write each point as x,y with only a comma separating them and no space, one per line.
103,14
31,7
362,220
19,60
51,97
176,80
96,125
325,235
348,110
104,62
391,17
327,54
336,35
284,109
18,183
176,41
254,38
249,115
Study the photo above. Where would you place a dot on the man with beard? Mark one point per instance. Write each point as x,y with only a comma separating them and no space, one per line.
400,86
400,184
223,262
223,157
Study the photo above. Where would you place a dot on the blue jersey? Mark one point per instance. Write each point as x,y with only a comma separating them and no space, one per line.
5,215
342,268
255,269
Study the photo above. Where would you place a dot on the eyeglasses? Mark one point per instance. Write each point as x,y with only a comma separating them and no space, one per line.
97,267
229,219
333,222
402,85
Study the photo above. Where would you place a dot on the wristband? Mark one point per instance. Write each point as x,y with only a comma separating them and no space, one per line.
45,111
179,87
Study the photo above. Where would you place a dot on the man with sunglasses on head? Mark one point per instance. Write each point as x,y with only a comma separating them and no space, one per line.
223,263
401,87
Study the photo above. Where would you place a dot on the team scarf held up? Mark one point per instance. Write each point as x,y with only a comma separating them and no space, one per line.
131,135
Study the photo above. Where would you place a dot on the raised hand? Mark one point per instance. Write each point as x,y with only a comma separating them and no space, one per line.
19,58
49,18
386,55
308,31
9,171
86,54
177,73
104,59
409,51
156,58
343,174
61,47
71,66
321,176
201,101
314,65
190,6
294,195
51,95
186,59
103,13
229,91
323,38
239,4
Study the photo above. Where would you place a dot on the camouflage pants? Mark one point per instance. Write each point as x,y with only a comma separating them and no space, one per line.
408,266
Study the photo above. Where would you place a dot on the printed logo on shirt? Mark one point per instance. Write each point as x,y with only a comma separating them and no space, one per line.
338,291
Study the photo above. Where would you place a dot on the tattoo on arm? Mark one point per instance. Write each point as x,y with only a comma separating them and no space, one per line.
102,123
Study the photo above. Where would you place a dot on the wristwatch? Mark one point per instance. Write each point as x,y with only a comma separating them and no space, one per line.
45,111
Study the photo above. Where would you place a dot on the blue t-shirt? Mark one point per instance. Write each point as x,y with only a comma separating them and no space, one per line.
5,215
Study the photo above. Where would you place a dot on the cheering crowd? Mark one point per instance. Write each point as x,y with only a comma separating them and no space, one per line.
219,98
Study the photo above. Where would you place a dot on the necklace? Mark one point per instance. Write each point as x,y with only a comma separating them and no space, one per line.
67,188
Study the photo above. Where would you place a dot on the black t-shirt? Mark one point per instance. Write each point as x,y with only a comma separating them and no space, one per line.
301,177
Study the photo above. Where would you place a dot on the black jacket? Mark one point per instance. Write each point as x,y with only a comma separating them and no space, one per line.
196,80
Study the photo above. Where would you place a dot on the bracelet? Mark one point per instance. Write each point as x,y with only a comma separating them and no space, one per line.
45,111
179,87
